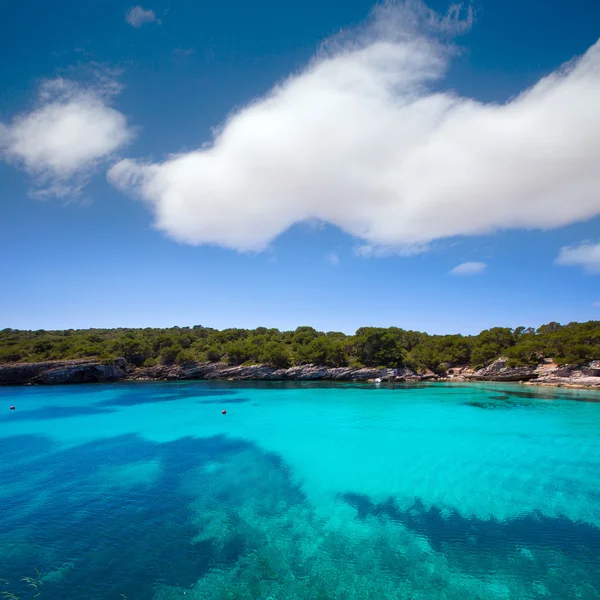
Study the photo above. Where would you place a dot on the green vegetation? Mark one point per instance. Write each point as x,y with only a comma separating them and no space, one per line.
574,343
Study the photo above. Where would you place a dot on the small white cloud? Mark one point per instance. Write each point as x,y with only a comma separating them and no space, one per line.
137,17
469,268
366,138
332,258
597,304
586,256
65,138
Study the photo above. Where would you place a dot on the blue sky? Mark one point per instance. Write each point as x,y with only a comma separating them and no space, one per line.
345,196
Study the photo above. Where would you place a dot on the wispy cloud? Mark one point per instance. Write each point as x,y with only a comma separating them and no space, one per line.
364,139
184,51
586,256
469,268
381,251
67,136
597,304
333,259
137,16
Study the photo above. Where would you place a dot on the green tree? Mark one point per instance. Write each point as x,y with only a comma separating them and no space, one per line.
275,354
213,354
573,343
168,354
238,352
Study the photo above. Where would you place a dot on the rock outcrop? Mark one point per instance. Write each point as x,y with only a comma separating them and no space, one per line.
268,373
82,371
86,371
57,372
545,373
586,376
500,371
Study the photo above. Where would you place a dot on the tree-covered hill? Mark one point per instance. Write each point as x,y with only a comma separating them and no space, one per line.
574,343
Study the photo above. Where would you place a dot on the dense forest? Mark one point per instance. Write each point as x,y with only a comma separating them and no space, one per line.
574,343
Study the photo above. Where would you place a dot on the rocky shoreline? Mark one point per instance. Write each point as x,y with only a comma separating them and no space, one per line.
545,373
89,371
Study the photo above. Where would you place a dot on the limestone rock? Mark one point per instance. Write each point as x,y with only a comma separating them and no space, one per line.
500,371
82,371
86,373
58,372
269,373
592,369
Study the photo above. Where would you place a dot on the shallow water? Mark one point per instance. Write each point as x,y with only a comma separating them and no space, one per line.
437,491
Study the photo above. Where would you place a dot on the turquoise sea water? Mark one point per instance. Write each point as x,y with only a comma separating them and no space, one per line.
301,491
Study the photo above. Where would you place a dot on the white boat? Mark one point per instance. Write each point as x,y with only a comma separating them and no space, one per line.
378,380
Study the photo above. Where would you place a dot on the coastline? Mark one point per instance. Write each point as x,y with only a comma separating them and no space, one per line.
94,371
559,384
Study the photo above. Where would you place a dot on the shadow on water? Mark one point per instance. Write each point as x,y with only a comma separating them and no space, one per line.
141,396
67,390
491,405
239,400
500,403
54,412
22,448
511,399
96,528
448,526
536,393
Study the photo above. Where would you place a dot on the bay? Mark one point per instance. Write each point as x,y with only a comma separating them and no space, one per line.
308,490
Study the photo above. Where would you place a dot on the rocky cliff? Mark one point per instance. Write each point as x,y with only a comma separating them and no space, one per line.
587,376
81,371
86,371
500,371
545,373
268,373
56,372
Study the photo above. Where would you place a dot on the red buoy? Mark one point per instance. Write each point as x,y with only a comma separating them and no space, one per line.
223,412
12,408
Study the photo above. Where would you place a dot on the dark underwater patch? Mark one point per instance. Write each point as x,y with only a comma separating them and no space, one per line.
489,405
443,527
22,447
235,400
126,540
54,412
506,402
141,396
537,395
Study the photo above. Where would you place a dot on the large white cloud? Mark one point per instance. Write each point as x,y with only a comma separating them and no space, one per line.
68,134
586,256
360,140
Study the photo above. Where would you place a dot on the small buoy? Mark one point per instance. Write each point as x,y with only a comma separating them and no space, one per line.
12,408
223,412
